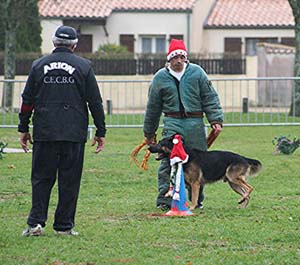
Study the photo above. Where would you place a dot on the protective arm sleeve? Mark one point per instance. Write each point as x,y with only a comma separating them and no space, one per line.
211,103
153,111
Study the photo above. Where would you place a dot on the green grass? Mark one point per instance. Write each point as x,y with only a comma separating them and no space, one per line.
119,224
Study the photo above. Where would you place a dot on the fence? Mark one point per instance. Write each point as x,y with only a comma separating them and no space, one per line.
145,66
245,101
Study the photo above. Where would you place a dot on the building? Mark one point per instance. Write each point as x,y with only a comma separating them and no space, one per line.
146,26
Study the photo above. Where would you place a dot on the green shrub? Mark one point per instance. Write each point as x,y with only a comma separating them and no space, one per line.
111,50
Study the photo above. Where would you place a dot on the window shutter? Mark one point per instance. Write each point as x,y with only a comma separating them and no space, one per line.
85,43
233,47
127,40
178,37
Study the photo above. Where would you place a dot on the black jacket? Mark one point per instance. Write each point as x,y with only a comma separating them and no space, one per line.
58,89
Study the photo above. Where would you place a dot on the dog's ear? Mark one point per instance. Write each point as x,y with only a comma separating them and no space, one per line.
168,142
172,137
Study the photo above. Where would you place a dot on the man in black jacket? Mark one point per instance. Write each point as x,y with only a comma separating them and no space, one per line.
60,89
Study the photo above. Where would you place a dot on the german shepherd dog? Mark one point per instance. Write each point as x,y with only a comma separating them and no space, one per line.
211,166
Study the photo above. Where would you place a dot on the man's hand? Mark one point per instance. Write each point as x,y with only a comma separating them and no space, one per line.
100,145
217,127
24,137
150,140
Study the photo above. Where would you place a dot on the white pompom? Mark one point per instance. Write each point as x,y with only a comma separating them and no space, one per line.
175,141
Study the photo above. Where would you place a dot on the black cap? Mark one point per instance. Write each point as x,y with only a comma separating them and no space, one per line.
66,32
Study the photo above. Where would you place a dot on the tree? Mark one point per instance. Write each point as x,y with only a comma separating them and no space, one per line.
2,40
295,105
22,31
29,31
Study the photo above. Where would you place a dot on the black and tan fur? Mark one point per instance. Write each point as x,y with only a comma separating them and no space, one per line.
210,166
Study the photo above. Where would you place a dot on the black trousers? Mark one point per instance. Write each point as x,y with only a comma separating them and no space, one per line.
51,160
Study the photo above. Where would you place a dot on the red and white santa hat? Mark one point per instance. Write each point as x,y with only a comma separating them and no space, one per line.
178,153
176,47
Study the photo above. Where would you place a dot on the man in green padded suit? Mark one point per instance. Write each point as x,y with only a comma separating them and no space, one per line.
184,94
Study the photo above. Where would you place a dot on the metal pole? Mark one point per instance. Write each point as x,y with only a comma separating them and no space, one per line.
109,106
245,105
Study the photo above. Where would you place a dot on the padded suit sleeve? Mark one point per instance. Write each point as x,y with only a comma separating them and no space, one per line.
153,110
210,102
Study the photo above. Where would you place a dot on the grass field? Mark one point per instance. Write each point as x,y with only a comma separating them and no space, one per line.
119,224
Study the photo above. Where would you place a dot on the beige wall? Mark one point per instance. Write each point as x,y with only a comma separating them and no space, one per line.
49,26
98,33
18,88
213,39
145,24
200,12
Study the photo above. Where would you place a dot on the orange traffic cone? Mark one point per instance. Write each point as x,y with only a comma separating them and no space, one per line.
179,206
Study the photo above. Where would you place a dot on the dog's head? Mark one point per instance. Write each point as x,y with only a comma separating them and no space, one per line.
163,148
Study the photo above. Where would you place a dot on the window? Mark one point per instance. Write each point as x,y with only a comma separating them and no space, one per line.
160,45
288,41
251,44
153,44
146,45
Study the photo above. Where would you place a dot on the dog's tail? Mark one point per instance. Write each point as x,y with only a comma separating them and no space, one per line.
255,166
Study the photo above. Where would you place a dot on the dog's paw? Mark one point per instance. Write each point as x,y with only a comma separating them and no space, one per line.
246,197
241,200
244,202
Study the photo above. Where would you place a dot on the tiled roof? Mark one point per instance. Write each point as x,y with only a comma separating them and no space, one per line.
103,8
250,14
